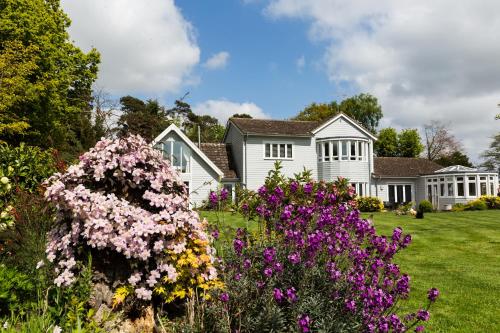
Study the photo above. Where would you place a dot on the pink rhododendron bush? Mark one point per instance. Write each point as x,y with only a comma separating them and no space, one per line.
127,207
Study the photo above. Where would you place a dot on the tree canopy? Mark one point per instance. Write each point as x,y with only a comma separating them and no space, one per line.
406,143
439,142
491,156
455,158
363,107
46,81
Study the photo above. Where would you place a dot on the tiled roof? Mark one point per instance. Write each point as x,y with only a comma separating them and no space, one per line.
275,127
220,154
403,166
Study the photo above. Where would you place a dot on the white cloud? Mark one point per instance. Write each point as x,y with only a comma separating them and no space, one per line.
223,109
217,61
300,63
145,48
424,60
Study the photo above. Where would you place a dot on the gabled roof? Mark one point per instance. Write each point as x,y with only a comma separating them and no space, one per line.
403,166
348,119
190,144
274,127
221,155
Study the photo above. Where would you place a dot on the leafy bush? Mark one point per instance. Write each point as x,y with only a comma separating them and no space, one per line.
28,166
458,207
405,209
425,206
493,202
127,206
314,265
369,204
16,291
476,205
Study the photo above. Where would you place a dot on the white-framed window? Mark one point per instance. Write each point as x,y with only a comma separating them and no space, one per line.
483,188
177,153
278,151
400,193
335,150
450,186
471,184
460,187
344,150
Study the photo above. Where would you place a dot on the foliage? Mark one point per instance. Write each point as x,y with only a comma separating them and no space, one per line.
23,245
16,291
455,158
28,166
387,142
369,204
314,265
458,207
207,126
127,206
477,204
363,107
409,143
425,206
47,90
241,115
492,201
405,209
390,143
439,142
491,156
147,119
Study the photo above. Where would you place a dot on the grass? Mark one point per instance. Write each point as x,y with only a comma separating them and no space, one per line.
456,252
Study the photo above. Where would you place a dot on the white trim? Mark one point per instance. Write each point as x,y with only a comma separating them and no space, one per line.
191,145
278,143
350,120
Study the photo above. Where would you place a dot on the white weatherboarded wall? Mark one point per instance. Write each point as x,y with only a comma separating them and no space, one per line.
304,155
235,138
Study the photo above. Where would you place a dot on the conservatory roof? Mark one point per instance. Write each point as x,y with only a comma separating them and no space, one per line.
456,168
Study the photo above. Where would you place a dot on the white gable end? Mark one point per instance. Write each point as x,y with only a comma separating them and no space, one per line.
342,126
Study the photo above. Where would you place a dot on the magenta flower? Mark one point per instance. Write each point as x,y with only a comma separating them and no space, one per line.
291,295
268,272
278,295
224,194
213,198
294,258
215,234
304,323
419,329
423,315
269,254
432,294
224,297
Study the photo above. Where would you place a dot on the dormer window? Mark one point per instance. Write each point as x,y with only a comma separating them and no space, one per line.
177,153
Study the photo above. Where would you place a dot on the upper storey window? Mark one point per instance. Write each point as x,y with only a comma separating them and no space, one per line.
344,150
278,151
177,153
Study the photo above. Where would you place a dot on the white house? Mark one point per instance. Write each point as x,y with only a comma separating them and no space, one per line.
337,147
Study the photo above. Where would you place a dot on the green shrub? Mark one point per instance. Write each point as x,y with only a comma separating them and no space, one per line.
477,204
16,291
493,202
425,206
369,204
458,207
28,166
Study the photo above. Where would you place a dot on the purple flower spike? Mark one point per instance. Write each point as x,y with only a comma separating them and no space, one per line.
423,315
278,295
419,329
304,323
432,294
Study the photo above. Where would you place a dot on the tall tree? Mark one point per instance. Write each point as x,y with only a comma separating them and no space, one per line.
406,143
363,107
409,143
387,143
491,156
53,91
241,115
455,158
147,119
439,142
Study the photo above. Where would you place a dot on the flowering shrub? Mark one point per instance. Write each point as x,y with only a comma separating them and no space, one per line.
127,206
425,206
315,265
492,202
6,218
369,204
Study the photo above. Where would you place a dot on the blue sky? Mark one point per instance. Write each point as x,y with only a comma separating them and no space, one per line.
424,61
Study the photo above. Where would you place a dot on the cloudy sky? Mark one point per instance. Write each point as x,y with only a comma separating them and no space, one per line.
425,60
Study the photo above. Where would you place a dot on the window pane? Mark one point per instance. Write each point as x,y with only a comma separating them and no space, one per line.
460,179
361,185
400,193
392,197
167,150
442,189
185,159
408,193
360,150
492,189
450,189
353,150
460,189
289,151
275,150
344,150
429,193
335,150
176,156
268,150
326,147
483,189
472,189
282,150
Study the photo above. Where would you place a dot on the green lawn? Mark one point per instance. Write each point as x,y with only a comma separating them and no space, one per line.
456,252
